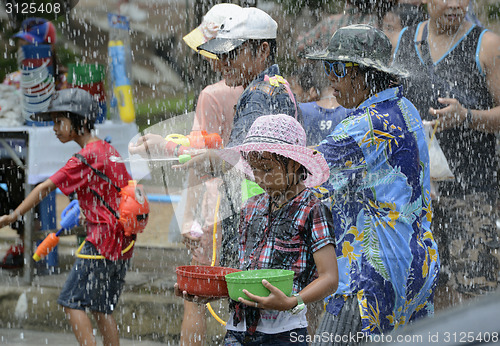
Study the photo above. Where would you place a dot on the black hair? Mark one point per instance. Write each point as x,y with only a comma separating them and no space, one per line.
301,173
78,122
378,81
255,44
310,75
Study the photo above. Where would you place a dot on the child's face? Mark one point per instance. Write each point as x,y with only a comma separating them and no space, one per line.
448,14
269,173
62,127
242,65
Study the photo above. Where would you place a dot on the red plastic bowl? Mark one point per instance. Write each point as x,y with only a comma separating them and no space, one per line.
203,281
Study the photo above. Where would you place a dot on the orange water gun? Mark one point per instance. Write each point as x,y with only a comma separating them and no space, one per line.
178,144
69,219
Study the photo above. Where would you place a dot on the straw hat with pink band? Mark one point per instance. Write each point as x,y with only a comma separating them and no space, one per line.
283,135
209,27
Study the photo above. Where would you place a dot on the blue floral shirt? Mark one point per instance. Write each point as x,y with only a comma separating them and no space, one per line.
379,192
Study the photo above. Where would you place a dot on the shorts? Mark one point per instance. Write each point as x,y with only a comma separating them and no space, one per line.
94,284
467,237
290,337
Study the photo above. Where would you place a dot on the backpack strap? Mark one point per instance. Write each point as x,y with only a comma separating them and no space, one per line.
97,172
115,214
105,178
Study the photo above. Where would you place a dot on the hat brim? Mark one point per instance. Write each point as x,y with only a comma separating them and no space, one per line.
42,116
195,39
27,37
219,46
47,115
367,62
311,159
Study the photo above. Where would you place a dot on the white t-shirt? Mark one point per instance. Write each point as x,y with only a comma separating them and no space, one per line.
273,322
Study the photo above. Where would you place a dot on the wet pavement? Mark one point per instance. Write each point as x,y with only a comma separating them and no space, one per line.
147,312
21,337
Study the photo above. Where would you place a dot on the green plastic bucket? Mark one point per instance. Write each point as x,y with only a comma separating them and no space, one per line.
251,280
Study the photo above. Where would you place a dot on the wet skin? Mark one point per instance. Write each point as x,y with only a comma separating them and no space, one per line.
447,14
241,65
351,90
62,128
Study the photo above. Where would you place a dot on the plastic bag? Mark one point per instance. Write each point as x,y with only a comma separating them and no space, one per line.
440,170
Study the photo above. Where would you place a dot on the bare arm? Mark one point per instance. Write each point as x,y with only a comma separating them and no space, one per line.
482,120
36,196
324,285
195,191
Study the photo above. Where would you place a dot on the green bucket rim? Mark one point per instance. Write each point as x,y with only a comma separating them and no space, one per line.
253,276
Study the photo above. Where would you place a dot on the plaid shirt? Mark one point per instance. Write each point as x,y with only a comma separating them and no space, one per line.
287,238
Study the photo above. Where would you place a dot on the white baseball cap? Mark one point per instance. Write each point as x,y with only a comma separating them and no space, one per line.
209,27
250,23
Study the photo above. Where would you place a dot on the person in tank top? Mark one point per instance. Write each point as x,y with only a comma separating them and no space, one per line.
454,79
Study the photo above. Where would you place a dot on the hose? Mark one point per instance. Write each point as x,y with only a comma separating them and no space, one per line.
214,253
79,255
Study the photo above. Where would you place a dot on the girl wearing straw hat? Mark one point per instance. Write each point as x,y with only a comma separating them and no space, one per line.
287,227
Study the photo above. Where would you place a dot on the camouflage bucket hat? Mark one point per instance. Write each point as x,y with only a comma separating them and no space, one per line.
362,44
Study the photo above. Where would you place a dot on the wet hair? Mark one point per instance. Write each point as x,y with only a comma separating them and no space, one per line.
255,44
378,81
309,76
301,173
78,123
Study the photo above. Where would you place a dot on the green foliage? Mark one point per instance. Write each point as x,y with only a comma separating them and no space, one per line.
295,6
493,12
155,110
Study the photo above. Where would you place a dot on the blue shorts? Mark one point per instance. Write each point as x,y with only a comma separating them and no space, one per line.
94,284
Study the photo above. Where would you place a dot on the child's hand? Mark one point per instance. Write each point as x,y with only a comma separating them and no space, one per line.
192,243
276,300
149,144
191,298
6,220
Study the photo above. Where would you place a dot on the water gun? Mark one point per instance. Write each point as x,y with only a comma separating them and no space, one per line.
121,84
178,144
69,219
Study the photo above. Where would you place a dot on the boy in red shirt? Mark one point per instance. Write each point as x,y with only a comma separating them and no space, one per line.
96,280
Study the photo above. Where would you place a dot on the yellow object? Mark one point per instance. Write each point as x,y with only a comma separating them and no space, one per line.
179,139
433,133
125,101
46,246
121,84
79,255
214,253
196,38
